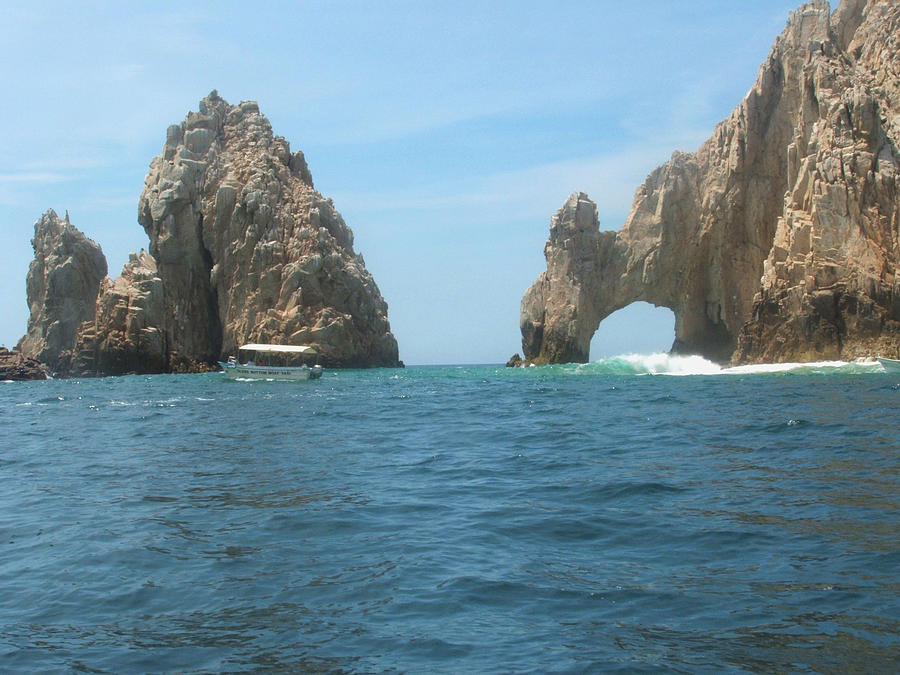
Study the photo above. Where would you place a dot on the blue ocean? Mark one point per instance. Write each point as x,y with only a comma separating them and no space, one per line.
640,514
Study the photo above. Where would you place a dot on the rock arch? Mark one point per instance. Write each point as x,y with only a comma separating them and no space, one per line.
638,328
591,274
778,239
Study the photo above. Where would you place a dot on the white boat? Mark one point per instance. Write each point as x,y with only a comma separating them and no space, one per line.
272,362
889,365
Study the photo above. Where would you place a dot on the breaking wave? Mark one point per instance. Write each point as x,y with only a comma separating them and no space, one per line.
677,365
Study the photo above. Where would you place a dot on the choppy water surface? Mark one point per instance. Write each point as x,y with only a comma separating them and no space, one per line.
454,519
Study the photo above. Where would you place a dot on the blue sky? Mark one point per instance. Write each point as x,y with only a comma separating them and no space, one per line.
447,133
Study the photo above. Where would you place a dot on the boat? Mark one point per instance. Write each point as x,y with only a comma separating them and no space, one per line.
889,365
272,362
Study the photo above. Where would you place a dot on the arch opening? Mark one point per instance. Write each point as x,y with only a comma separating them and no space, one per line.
639,328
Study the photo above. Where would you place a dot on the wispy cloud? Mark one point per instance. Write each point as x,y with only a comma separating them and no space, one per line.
67,165
530,194
32,177
97,202
16,187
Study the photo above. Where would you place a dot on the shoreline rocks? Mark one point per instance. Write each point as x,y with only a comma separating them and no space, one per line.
15,366
515,361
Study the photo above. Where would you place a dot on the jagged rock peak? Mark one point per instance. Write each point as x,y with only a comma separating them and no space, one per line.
554,326
778,238
127,332
62,285
195,136
248,251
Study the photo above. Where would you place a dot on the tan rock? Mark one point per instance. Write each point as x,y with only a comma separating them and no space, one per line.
242,249
127,333
62,285
778,239
248,251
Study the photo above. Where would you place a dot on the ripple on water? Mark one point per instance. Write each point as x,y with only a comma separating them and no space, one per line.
452,520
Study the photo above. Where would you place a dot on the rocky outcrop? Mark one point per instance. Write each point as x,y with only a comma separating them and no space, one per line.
830,286
62,285
242,249
248,251
515,361
778,239
561,310
127,333
15,366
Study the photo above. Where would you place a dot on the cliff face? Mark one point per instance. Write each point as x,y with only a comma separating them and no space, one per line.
62,285
830,286
778,238
242,249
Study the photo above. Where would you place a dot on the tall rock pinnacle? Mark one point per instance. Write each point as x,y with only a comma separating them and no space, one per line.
62,285
248,251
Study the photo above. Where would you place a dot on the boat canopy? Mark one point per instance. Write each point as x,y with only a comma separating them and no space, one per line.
278,349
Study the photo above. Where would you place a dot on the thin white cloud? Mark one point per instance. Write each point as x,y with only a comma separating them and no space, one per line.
32,177
67,164
101,202
16,187
533,193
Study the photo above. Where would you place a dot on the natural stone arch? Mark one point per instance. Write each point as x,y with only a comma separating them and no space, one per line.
615,335
591,274
777,240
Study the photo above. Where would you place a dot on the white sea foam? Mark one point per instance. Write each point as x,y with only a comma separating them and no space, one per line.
789,367
680,365
670,364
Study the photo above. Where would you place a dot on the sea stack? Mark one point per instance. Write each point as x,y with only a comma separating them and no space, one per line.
242,249
779,239
61,288
248,251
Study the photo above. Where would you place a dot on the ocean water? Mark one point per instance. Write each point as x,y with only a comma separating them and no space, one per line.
611,517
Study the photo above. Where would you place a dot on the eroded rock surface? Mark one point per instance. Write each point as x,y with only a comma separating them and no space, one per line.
128,331
62,285
15,366
248,251
778,239
242,249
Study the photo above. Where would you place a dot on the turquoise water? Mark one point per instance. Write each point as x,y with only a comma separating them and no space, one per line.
461,519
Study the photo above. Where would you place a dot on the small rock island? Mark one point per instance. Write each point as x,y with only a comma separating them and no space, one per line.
779,239
242,248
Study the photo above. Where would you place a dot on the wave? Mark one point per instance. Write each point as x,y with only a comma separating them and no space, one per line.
678,365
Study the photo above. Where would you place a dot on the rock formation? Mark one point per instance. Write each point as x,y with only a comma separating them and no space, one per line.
778,239
15,366
62,285
515,361
248,251
127,332
242,249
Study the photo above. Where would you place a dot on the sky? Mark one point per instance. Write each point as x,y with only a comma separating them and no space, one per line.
447,134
